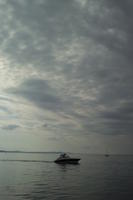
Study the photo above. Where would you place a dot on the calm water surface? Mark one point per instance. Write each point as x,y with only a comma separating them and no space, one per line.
37,177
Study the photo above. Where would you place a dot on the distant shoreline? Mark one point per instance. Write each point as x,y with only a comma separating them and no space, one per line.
59,152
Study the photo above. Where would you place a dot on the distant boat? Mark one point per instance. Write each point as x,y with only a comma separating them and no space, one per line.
66,159
106,155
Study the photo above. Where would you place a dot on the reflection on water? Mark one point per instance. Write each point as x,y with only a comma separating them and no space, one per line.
38,177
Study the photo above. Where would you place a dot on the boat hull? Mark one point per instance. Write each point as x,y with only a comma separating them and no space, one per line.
67,161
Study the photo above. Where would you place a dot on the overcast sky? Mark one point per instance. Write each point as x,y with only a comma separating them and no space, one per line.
66,75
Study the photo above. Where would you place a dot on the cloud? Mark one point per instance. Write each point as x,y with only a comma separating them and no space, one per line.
38,92
5,109
10,127
72,59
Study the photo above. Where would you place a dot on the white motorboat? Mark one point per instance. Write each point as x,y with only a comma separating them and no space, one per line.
64,159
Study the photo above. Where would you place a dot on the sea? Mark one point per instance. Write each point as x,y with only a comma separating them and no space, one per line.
34,176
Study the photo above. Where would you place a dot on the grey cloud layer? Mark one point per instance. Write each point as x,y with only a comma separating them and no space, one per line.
88,46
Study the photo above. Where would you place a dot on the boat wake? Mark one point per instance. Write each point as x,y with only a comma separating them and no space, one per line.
11,160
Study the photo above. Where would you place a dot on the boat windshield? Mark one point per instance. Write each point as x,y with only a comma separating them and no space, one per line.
64,155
